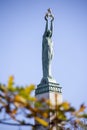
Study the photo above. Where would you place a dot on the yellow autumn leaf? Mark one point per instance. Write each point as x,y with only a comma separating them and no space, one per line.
19,99
32,98
10,80
10,83
45,114
82,108
41,121
65,105
28,89
48,102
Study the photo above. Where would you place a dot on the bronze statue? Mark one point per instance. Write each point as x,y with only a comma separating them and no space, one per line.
47,47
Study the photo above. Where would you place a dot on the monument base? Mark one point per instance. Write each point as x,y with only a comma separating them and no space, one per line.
45,87
52,92
48,91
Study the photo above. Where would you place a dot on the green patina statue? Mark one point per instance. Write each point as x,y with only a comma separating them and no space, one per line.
47,47
48,84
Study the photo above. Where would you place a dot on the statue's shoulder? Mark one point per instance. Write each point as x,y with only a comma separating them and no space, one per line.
44,35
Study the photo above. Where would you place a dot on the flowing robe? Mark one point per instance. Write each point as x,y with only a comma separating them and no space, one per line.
47,54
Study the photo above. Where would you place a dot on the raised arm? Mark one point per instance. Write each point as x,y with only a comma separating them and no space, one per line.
51,25
46,28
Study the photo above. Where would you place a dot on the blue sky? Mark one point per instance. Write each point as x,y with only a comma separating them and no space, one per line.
21,28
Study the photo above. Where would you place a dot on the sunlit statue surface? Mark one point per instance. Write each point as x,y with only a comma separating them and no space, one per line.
47,47
48,84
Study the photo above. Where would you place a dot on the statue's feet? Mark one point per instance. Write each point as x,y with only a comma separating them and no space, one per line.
48,79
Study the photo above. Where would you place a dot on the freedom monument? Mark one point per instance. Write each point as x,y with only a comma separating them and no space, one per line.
48,86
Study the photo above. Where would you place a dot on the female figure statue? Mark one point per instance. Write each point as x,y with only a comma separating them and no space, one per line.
47,47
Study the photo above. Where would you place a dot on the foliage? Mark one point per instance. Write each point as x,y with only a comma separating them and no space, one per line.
15,101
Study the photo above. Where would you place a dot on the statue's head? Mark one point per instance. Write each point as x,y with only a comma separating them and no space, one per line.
49,33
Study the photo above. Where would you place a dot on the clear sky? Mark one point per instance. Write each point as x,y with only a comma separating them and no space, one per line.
21,28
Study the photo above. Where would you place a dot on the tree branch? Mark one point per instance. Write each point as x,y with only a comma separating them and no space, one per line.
15,124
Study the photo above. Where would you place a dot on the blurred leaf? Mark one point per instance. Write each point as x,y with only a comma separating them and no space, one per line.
32,98
10,86
61,115
14,111
41,121
25,92
82,116
82,108
38,104
65,105
17,104
71,109
78,113
29,89
3,88
45,114
19,99
13,98
10,80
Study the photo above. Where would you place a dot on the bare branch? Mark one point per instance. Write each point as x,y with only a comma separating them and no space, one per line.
15,124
